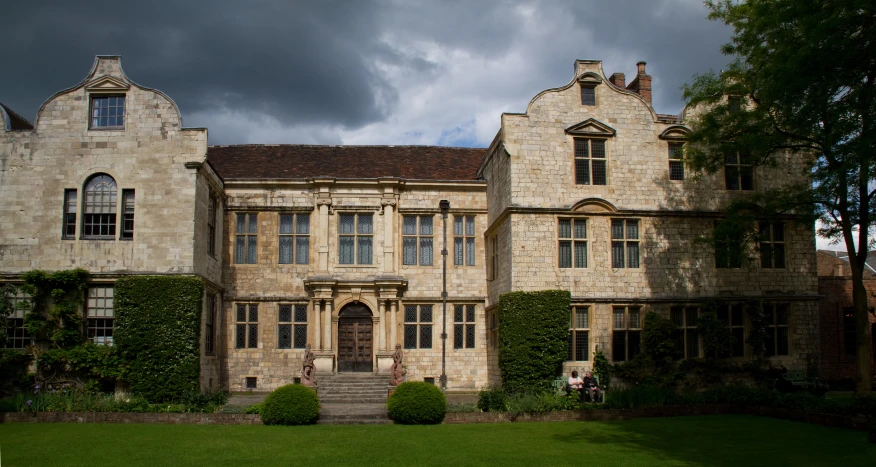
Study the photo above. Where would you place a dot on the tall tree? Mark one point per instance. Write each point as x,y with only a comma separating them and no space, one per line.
800,88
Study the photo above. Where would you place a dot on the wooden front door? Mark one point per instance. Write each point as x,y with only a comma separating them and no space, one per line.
355,339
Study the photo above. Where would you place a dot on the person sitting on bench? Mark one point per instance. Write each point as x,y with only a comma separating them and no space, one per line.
576,384
589,383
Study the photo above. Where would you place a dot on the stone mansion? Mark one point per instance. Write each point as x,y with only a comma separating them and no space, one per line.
341,246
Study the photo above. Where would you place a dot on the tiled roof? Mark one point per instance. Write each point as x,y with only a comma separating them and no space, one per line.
288,161
16,122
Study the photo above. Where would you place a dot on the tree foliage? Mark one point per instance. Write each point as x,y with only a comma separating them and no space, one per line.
799,92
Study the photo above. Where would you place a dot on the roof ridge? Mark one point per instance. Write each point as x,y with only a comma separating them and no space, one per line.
342,146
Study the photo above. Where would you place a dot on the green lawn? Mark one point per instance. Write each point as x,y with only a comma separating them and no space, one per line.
708,440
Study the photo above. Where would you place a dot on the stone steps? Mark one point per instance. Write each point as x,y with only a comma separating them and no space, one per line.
353,398
353,414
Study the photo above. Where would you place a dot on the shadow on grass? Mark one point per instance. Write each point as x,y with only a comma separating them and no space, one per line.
727,440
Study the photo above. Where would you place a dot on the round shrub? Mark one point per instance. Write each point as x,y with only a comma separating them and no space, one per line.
417,403
292,404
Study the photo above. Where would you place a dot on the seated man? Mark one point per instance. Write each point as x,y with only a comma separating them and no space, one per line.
589,383
575,384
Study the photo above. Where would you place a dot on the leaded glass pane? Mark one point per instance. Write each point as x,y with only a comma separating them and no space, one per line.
252,251
300,336
582,346
365,250
252,336
632,254
302,250
469,336
782,315
426,251
241,312
782,341
285,314
425,313
239,249
411,314
692,314
565,254
425,225
618,318
617,254
582,317
300,313
580,228
410,336
458,313
365,224
617,229
409,250
240,337
285,336
458,336
347,223
303,225
286,250
676,150
599,173
287,222
676,315
619,346
425,337
580,254
253,312
582,148
746,177
457,225
253,223
470,251
597,146
778,232
779,255
470,313
634,343
458,252
588,96
632,230
582,171
676,170
346,249
409,225
570,354
736,315
634,318
469,226
565,228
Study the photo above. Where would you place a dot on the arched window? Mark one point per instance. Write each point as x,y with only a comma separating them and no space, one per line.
100,207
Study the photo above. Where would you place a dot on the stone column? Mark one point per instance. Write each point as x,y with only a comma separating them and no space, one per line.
388,237
381,329
317,331
323,232
327,325
393,323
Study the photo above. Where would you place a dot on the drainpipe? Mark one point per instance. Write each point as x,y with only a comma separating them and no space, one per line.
445,206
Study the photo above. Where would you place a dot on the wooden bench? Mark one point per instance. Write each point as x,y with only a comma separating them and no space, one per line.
798,378
559,384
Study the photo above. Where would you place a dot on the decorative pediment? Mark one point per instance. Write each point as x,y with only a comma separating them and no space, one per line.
590,79
107,84
591,127
675,133
593,205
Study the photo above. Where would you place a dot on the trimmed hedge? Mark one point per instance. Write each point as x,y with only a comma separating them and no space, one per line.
158,333
293,404
533,338
417,403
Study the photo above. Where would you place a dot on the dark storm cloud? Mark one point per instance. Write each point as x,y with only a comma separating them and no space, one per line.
287,71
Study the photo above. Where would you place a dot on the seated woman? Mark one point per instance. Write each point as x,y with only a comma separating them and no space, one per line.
589,384
575,383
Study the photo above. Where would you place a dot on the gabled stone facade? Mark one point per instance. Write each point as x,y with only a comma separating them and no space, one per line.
340,247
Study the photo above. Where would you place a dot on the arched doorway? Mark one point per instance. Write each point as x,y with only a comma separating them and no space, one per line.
355,338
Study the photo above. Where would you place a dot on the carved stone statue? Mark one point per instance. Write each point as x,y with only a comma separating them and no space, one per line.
308,370
397,370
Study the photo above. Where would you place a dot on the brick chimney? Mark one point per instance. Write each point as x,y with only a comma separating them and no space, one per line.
641,85
619,80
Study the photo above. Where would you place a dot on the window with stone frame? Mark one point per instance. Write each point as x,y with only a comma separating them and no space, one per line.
464,326
687,339
19,305
579,335
493,334
107,112
417,240
69,232
246,238
738,175
418,327
355,238
210,325
494,258
127,215
99,313
777,329
294,238
588,95
676,161
590,162
246,334
212,209
464,240
292,327
572,243
99,214
624,243
732,315
626,334
772,245
849,335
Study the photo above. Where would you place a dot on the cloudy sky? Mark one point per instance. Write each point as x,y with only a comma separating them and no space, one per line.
352,72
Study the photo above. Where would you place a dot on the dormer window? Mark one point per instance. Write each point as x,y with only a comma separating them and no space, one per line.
108,112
